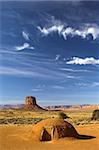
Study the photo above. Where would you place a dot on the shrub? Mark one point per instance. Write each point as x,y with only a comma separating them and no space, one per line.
20,120
95,115
62,115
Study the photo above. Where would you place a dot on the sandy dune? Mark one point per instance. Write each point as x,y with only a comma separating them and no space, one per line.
14,137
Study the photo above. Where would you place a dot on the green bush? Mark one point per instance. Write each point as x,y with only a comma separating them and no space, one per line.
20,120
95,115
62,115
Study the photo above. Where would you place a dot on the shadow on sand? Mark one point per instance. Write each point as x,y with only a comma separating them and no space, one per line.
85,137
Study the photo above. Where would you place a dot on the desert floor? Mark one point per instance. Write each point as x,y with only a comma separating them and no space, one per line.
19,137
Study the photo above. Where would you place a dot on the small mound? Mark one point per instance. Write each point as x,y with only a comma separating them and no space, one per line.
53,129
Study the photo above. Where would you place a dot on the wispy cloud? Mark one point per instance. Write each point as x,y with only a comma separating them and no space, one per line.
36,90
24,46
71,77
92,84
83,61
95,84
39,88
54,28
58,87
57,57
38,71
73,70
82,31
25,35
18,72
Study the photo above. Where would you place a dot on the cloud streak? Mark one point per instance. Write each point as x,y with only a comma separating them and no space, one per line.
58,87
24,46
92,84
37,72
25,35
95,84
73,70
57,57
17,72
36,90
39,88
83,31
83,61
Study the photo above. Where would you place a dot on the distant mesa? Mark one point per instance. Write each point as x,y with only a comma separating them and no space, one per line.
31,104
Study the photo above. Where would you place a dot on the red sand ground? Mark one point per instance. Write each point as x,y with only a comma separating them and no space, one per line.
14,137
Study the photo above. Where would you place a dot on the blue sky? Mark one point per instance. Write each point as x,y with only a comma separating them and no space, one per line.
49,50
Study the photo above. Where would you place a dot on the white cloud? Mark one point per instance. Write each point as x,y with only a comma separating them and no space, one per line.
54,28
95,84
82,31
71,77
73,70
93,30
83,84
58,87
57,57
37,71
24,46
83,61
92,85
64,59
67,31
17,72
25,35
37,90
31,47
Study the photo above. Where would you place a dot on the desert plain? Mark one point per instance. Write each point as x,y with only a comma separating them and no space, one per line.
16,130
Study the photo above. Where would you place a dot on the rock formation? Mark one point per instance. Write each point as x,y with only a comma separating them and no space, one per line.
30,104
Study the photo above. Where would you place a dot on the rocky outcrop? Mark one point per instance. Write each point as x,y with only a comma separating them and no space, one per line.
31,104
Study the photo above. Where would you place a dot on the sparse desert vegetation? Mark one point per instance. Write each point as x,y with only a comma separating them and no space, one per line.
62,115
30,127
16,128
76,117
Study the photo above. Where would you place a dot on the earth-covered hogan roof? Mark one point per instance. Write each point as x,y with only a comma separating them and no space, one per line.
53,129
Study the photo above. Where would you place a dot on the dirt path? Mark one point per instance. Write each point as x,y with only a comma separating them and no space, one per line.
14,137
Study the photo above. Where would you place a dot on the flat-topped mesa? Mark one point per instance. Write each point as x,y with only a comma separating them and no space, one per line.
30,100
30,104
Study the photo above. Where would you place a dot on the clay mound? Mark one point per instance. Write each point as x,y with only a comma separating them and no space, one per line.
53,129
30,104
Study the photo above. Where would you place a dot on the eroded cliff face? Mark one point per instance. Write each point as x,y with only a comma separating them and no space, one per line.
31,104
30,101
